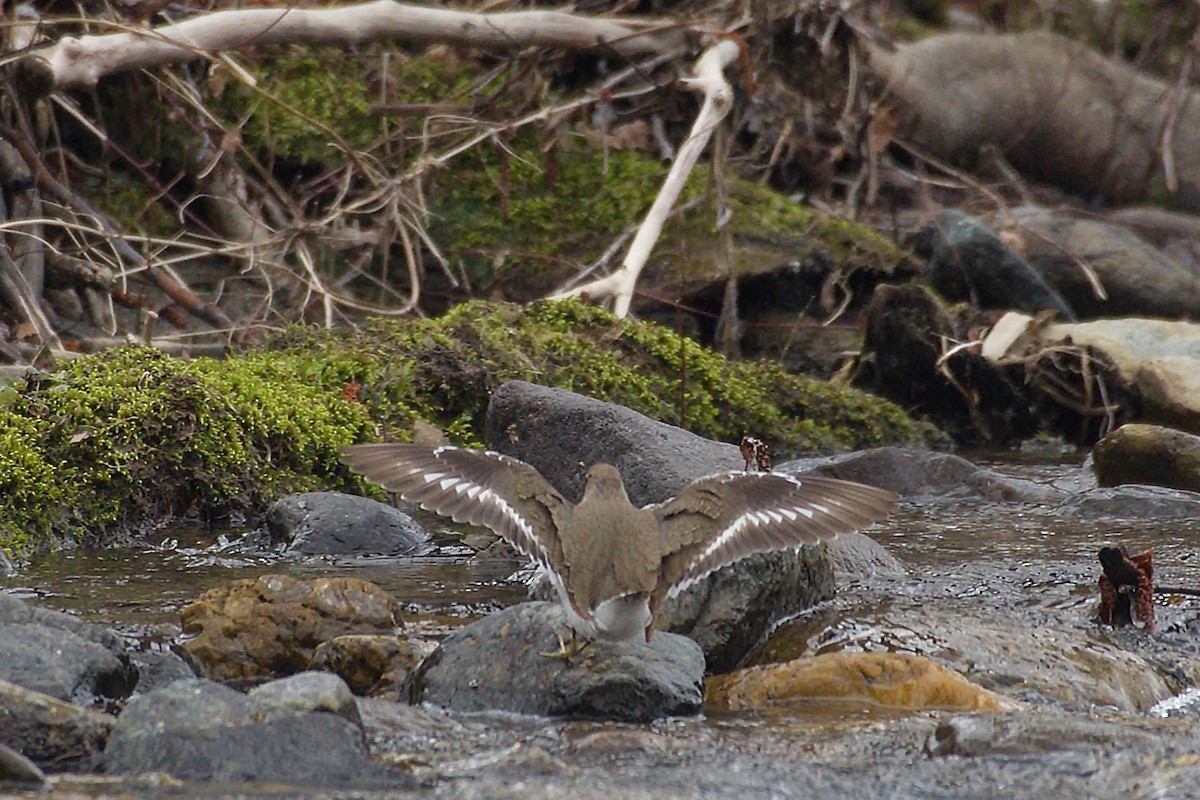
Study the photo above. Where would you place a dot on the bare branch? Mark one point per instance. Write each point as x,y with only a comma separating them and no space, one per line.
718,98
81,62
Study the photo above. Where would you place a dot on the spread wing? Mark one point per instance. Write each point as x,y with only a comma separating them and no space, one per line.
482,488
723,518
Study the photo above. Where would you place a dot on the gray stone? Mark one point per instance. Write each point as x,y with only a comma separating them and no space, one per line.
497,664
55,734
924,475
1138,278
968,261
303,693
62,656
199,730
333,523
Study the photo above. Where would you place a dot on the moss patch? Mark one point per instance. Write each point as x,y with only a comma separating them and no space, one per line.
133,434
522,223
443,370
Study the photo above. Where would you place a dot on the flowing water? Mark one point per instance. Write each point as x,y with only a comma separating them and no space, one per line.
1016,560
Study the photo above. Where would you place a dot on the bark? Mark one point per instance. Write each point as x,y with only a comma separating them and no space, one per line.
74,63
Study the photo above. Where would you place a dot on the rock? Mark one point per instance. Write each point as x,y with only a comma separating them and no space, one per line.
1148,454
496,664
1043,664
1160,358
371,665
856,556
304,693
16,768
1131,502
62,656
968,261
1170,391
924,475
58,735
1026,733
272,625
333,523
198,730
562,434
1138,279
895,680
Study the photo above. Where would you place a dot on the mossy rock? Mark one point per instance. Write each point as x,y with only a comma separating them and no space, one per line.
443,370
132,434
522,224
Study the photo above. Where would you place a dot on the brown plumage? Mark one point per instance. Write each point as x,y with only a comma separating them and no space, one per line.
612,563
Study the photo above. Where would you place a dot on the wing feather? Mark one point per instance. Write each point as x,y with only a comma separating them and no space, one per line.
478,487
723,518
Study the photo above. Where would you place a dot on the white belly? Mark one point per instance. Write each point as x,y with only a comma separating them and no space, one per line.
622,619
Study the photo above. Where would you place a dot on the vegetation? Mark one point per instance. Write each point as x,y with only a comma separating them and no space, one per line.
133,434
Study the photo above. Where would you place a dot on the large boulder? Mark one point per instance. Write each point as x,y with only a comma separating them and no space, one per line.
562,434
271,626
333,523
62,656
298,734
500,663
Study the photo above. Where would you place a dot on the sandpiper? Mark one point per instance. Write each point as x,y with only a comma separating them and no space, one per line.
612,563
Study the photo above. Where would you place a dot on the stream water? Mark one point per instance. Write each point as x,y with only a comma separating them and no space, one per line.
1014,560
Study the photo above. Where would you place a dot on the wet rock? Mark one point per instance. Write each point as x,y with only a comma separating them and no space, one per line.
1148,454
856,556
968,261
198,730
497,664
271,626
1071,667
333,523
924,475
371,665
303,693
1137,278
889,679
1131,502
562,434
16,768
55,734
62,656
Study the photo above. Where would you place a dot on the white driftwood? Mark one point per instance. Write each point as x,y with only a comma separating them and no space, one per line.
709,79
81,62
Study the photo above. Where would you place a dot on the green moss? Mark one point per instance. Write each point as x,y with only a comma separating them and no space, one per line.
524,222
444,370
132,434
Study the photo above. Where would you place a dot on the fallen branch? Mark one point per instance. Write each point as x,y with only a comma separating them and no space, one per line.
74,63
709,79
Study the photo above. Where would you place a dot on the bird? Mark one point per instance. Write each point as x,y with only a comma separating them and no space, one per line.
614,564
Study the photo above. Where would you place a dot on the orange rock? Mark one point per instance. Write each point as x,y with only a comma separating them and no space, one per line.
887,679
